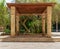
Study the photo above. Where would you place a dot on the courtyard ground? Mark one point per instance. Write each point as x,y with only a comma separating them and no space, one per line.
29,45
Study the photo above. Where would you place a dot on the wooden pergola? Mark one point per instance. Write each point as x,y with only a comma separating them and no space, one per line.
18,9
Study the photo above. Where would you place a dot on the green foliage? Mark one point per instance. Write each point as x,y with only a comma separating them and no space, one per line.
4,19
28,1
33,24
7,31
4,16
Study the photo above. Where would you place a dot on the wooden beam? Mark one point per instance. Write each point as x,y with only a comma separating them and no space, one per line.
12,21
49,15
30,14
30,4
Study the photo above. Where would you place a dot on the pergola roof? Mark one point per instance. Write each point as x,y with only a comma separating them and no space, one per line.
25,8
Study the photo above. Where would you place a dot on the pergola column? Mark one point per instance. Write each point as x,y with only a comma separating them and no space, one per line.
49,15
17,23
43,23
12,21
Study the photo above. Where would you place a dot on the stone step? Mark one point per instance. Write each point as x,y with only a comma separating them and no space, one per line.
55,36
56,33
1,33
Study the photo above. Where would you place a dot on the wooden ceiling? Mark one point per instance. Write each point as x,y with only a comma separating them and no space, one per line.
29,8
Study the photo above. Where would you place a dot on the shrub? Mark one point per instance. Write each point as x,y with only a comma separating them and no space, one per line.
7,31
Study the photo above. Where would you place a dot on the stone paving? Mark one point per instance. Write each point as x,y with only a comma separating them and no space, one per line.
29,45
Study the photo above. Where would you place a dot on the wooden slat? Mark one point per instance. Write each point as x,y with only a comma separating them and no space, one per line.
30,7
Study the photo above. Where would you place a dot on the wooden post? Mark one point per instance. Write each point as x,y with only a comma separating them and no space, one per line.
49,14
12,21
43,23
17,23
